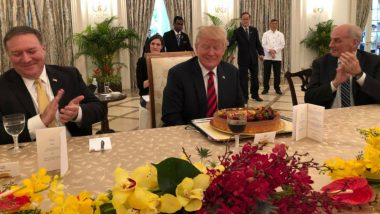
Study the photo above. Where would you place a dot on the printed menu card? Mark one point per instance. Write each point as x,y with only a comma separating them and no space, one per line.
52,149
308,122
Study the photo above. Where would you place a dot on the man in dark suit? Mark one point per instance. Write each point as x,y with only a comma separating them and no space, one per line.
250,48
198,87
67,101
346,76
176,40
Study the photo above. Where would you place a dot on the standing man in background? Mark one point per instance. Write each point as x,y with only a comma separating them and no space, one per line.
250,48
273,43
176,40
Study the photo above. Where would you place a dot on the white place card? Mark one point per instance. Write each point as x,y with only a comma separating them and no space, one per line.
9,169
52,149
99,144
308,122
265,137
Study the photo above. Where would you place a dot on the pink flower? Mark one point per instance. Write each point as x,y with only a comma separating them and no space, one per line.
352,190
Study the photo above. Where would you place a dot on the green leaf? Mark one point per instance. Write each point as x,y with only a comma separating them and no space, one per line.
318,39
171,172
107,208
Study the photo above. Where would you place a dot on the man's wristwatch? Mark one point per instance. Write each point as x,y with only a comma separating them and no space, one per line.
356,77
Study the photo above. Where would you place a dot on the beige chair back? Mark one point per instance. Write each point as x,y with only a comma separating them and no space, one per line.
158,66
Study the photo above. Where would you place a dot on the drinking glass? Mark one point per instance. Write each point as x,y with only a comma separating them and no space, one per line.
13,125
237,121
106,87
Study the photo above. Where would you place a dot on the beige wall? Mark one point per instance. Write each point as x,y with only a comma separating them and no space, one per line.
303,17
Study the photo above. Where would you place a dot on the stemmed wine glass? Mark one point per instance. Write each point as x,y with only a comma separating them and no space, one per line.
237,121
13,125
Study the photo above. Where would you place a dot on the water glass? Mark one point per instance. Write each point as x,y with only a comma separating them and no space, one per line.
13,125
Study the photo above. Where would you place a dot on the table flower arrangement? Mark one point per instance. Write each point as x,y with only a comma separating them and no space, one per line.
248,182
366,164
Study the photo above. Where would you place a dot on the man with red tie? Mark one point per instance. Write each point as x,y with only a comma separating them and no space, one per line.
198,87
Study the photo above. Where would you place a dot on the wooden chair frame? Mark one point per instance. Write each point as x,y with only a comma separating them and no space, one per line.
304,75
161,62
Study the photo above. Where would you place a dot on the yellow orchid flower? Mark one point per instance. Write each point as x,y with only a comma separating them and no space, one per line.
146,177
143,200
122,190
85,203
341,168
56,194
81,204
371,158
101,199
190,191
169,204
40,181
200,166
36,183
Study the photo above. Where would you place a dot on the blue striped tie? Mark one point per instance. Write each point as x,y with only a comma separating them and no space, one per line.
345,94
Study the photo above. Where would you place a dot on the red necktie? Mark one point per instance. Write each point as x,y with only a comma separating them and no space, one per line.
211,95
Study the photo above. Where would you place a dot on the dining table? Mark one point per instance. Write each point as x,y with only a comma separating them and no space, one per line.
94,171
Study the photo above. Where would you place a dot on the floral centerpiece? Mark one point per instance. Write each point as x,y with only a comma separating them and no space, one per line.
248,182
101,43
366,164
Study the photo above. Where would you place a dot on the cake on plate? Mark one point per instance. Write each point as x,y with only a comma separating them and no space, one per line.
259,120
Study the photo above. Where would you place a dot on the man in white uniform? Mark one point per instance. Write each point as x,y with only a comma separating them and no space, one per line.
273,42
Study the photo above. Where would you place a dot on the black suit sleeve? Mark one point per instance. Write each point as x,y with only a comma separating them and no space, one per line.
319,91
141,76
259,47
186,42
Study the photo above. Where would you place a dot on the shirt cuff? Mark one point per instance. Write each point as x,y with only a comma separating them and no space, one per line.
360,81
333,89
79,117
35,123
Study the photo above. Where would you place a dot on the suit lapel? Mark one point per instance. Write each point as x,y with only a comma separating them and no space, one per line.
16,84
222,84
244,34
355,85
199,86
54,79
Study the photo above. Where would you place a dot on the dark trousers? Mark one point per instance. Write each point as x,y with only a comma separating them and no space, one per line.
243,75
276,72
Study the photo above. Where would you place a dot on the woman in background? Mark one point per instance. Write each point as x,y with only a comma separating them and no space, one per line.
155,45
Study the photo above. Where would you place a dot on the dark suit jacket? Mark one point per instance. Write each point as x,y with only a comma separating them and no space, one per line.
324,70
185,97
15,98
141,76
171,42
248,49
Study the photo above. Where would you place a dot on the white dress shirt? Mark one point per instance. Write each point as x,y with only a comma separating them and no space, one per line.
273,40
205,78
337,103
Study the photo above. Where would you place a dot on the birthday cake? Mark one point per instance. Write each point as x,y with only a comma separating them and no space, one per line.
259,119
